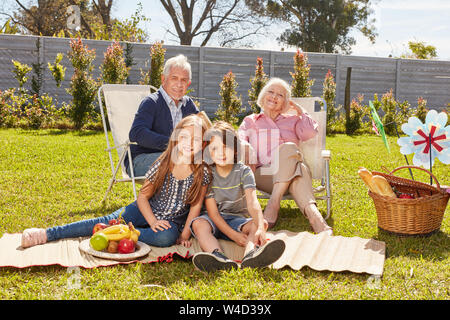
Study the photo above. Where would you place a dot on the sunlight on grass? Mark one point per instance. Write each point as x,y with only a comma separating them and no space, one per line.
52,177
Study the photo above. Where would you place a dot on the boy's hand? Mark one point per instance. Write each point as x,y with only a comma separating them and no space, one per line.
240,238
260,237
184,242
184,238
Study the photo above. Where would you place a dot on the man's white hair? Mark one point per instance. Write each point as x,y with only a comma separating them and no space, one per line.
179,61
270,83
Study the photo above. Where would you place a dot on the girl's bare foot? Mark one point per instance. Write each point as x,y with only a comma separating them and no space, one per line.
33,236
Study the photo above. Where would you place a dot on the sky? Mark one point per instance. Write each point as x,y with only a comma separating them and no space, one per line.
397,22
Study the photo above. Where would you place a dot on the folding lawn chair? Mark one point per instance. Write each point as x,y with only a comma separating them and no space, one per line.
122,102
314,153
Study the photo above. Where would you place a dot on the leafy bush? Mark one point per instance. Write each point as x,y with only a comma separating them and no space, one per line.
57,70
157,56
82,86
113,68
301,86
231,104
20,72
421,110
256,84
329,95
356,113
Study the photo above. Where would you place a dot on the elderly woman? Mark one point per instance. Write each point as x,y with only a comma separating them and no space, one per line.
275,138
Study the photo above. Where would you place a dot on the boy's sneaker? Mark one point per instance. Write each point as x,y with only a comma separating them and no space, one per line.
264,256
205,261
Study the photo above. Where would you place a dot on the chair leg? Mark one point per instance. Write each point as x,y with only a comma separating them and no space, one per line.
111,183
113,179
328,188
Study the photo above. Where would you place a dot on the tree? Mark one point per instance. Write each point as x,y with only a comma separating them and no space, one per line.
49,18
420,51
319,25
228,21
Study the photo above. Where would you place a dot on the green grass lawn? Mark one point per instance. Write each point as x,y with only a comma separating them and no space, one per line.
53,177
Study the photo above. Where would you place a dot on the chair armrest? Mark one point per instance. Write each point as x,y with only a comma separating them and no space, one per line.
125,144
326,154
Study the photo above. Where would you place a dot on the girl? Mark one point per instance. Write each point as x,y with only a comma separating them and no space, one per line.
231,199
169,200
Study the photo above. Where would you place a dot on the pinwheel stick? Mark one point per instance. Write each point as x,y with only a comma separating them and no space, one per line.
406,158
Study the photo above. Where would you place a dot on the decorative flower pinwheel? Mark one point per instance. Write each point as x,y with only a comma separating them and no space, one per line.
427,141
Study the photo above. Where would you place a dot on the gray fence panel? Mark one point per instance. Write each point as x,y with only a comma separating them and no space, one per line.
409,79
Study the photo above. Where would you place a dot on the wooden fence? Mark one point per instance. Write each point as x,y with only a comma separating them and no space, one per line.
409,79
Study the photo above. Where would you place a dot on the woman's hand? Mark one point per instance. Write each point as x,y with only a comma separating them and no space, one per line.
296,107
160,225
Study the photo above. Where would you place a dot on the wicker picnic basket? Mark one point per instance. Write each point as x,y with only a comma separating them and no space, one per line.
419,216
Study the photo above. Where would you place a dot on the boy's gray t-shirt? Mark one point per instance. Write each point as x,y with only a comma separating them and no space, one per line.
229,191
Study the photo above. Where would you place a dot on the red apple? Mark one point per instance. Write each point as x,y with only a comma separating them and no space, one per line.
98,227
405,196
113,222
126,246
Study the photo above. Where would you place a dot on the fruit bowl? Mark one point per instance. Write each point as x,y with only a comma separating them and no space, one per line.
142,249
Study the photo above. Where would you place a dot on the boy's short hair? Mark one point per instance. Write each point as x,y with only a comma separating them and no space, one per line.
229,137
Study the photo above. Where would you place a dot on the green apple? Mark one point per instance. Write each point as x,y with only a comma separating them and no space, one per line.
99,241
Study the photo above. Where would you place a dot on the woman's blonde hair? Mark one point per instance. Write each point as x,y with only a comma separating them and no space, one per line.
197,167
271,82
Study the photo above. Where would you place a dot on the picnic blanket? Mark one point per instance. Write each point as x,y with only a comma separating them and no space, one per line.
319,252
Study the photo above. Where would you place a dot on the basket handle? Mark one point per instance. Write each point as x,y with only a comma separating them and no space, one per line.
425,170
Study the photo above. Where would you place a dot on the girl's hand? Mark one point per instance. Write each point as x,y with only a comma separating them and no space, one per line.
160,225
240,238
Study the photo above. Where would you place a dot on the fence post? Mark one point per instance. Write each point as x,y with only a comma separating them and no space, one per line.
42,62
272,65
201,56
338,79
397,78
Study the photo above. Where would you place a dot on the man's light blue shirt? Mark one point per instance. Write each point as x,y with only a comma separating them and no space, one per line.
175,110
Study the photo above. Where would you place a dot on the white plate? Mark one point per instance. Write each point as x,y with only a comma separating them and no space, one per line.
142,249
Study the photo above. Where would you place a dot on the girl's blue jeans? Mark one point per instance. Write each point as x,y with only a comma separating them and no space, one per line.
131,213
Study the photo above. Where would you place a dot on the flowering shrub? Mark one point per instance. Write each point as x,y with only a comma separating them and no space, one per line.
231,104
421,110
82,86
257,83
114,69
301,86
329,95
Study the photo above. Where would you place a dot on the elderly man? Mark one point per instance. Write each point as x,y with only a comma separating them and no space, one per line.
159,113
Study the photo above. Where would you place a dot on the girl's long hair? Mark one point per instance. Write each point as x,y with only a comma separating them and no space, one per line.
197,165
